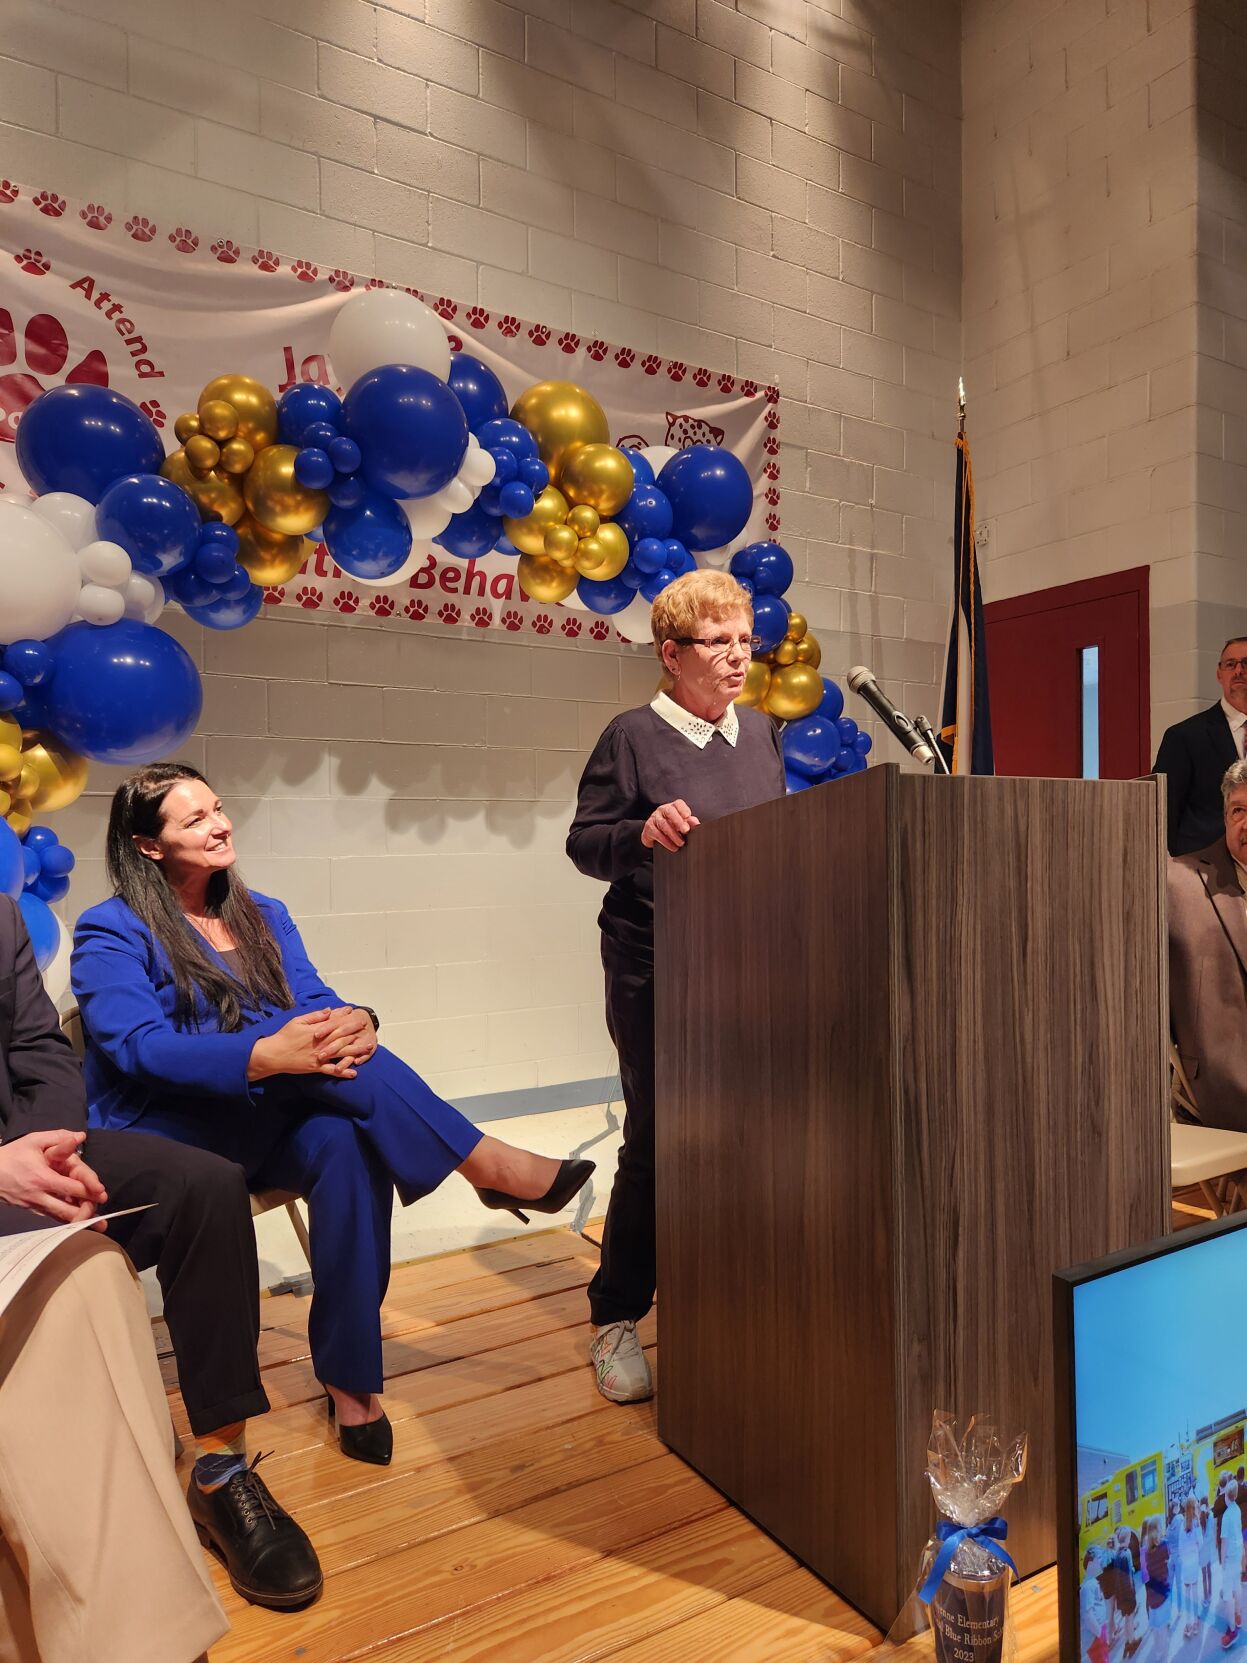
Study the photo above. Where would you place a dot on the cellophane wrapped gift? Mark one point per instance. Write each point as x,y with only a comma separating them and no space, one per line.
962,1592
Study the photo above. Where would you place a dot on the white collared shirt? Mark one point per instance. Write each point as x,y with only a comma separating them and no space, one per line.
1238,722
696,728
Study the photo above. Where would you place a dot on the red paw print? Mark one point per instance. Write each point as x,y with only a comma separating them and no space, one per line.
44,353
701,377
33,260
599,629
569,342
346,600
305,271
508,326
50,204
570,627
226,252
478,317
651,363
416,610
444,308
186,242
597,350
456,342
539,335
142,230
8,191
154,411
265,260
770,445
772,522
772,395
771,471
341,280
625,357
417,294
481,616
95,217
772,496
375,283
543,623
727,383
308,596
449,613
382,606
512,620
677,371
771,416
749,388
274,596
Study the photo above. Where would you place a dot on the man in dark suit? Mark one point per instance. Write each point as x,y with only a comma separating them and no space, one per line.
1208,963
198,1236
1194,754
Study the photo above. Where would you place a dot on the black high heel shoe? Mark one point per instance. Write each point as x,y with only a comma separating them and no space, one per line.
571,1176
373,1442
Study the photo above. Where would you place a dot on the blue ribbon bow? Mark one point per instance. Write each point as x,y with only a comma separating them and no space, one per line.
991,1532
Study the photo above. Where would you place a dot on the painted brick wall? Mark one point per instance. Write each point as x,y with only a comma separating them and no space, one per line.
772,188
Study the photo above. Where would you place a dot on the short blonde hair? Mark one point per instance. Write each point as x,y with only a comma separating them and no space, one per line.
704,596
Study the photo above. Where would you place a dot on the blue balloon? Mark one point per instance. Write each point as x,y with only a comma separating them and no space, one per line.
236,586
471,534
845,761
516,499
320,435
305,405
863,744
153,519
10,692
508,435
810,744
371,540
49,889
410,428
770,622
647,513
228,611
642,471
56,861
711,495
81,438
123,693
796,781
216,531
847,729
478,389
534,473
214,563
41,839
29,662
654,586
189,589
632,574
606,597
344,454
650,555
679,561
12,862
744,562
506,465
32,867
346,492
832,706
772,571
313,468
41,926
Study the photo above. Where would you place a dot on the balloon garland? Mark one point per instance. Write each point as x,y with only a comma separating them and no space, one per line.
421,449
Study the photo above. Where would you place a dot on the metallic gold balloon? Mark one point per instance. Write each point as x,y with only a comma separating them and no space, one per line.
599,475
543,579
529,534
202,453
610,538
270,557
20,819
217,496
809,651
584,520
797,626
559,415
217,419
186,427
27,779
561,543
254,406
10,759
236,456
795,690
785,652
274,497
757,681
61,773
6,803
590,557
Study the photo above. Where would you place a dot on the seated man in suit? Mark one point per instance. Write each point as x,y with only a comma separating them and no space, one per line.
1208,963
1194,754
199,1237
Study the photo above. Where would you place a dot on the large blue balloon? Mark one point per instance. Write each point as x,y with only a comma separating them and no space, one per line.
767,566
770,622
303,406
153,519
832,706
647,513
478,389
642,470
81,438
12,861
471,534
410,427
612,595
371,540
810,744
41,927
711,495
229,611
123,692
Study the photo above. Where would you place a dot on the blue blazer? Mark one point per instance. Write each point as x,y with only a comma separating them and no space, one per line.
135,1057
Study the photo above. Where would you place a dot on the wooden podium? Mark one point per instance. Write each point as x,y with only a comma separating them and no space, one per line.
911,1047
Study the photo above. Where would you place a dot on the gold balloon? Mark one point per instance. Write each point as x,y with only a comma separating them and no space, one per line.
559,415
797,626
10,760
186,427
584,520
757,681
598,475
543,579
561,543
217,419
270,557
61,773
590,556
236,456
274,497
20,819
795,690
6,803
202,453
253,404
216,496
614,545
785,653
809,651
27,779
529,534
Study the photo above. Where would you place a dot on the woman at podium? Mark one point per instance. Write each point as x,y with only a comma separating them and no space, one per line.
656,773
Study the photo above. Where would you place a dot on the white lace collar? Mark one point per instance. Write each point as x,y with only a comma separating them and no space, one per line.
696,728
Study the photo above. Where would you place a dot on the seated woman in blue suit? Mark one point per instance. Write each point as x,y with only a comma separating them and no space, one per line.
206,1021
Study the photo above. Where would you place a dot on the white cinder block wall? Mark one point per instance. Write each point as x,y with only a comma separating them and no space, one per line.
771,189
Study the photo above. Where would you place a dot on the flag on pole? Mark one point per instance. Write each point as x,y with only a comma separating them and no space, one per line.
965,719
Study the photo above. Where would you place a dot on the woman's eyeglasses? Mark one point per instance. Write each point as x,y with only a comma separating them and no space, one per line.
718,646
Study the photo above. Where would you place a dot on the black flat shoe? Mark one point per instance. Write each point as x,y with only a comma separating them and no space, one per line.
372,1442
571,1177
268,1556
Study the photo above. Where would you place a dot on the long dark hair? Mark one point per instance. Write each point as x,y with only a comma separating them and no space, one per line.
258,977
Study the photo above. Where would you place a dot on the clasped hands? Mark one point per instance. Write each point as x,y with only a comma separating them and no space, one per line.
44,1173
333,1042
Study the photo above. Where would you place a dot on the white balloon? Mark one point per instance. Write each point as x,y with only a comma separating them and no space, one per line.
455,497
415,561
426,516
658,456
39,587
717,559
73,517
104,563
99,605
478,465
144,597
56,976
633,623
386,326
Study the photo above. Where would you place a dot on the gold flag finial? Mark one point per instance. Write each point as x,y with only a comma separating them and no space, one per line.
961,404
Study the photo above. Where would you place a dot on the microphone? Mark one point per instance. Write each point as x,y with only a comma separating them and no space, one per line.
862,682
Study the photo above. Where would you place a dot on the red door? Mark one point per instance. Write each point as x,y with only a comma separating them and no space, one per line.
1067,669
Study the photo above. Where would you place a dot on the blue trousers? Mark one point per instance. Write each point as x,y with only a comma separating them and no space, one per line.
345,1146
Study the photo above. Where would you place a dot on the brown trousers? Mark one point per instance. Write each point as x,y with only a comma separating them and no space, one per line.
98,1557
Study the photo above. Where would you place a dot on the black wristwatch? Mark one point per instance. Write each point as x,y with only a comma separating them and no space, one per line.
372,1017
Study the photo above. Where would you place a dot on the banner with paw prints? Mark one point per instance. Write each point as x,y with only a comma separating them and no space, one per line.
156,310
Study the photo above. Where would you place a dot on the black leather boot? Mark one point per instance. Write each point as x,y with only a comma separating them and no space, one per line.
268,1556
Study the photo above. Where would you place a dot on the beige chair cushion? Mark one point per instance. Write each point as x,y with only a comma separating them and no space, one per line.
1201,1153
